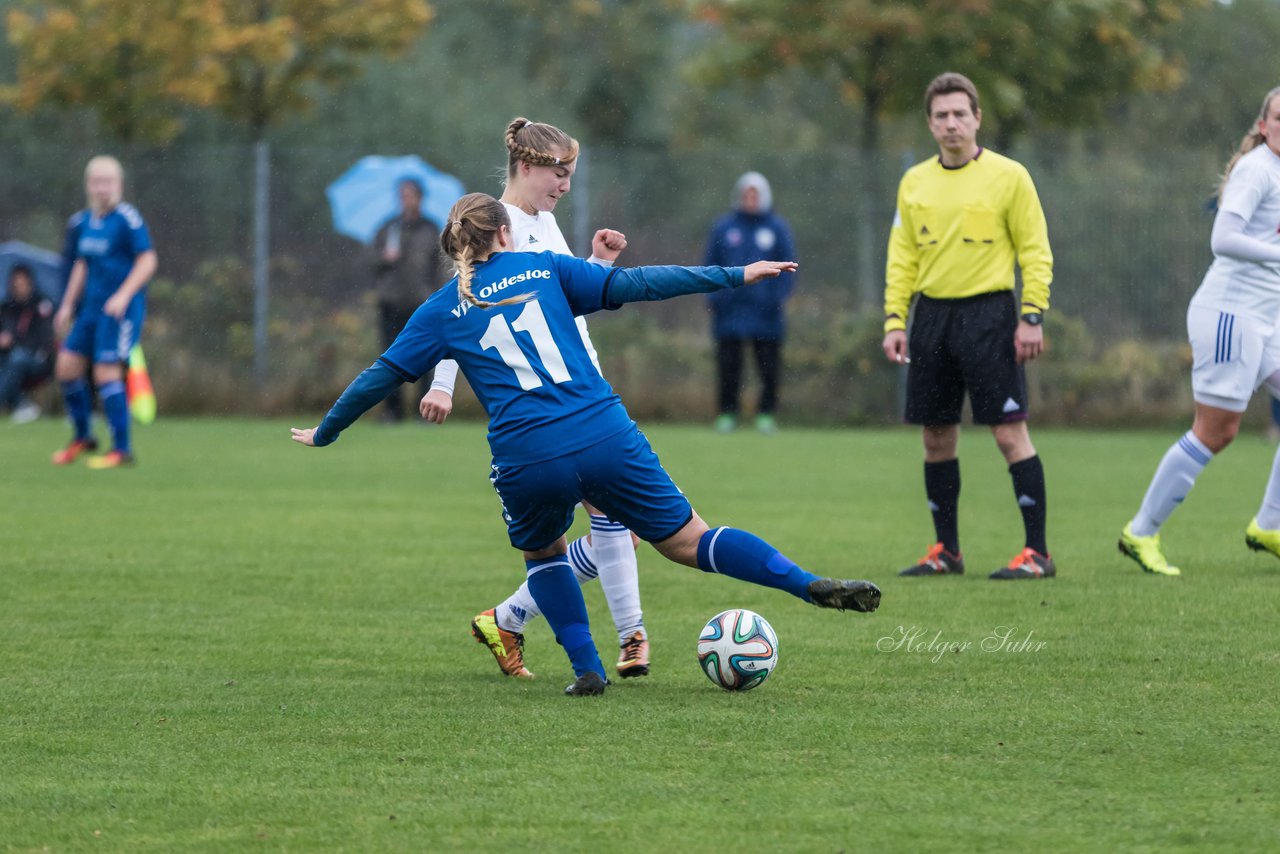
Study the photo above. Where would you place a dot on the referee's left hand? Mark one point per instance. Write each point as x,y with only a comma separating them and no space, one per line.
1028,341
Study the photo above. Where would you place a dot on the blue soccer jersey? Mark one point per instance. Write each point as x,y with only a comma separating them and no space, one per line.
526,362
109,245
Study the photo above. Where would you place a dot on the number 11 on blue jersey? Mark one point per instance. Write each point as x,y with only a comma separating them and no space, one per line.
533,322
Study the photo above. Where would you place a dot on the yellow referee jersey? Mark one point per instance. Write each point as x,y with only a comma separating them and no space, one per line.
958,232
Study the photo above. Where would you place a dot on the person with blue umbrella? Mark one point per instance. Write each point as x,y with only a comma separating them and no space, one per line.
406,270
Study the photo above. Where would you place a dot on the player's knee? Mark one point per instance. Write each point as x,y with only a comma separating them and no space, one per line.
559,547
68,367
682,547
1216,428
1014,441
940,443
1219,436
107,372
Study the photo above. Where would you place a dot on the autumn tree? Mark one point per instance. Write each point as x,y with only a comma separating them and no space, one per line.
135,64
138,64
271,53
1055,60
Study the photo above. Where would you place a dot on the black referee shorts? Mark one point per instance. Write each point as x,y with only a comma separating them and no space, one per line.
965,345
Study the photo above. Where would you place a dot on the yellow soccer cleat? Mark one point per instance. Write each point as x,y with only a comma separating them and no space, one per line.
1261,540
111,460
507,647
1146,552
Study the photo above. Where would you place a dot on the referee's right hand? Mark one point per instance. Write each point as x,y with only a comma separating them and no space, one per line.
895,347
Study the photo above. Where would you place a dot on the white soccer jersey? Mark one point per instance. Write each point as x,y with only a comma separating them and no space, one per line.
539,233
1248,287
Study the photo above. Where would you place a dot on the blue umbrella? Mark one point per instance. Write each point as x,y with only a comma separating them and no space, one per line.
367,195
45,266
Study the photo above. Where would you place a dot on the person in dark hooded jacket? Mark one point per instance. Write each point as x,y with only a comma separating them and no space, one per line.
752,232
26,343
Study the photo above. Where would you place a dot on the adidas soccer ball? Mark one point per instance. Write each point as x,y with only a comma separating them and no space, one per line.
737,649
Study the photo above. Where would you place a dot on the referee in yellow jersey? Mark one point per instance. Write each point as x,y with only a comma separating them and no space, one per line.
963,220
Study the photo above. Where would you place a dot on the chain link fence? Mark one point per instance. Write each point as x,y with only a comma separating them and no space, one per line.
1129,233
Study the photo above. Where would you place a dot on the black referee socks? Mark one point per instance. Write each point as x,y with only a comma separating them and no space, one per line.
1028,488
942,488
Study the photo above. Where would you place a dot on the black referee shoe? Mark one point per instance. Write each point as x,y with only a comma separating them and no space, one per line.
1028,564
938,561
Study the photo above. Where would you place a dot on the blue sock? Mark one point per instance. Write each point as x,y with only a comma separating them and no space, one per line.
115,405
75,393
746,557
556,590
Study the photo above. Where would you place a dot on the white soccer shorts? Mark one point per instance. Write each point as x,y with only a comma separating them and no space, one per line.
1232,355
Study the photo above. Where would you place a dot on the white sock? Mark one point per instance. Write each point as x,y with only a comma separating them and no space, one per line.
519,608
1173,479
582,557
1269,513
615,557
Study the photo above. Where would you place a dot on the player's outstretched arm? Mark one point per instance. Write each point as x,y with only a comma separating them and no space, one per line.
365,392
649,284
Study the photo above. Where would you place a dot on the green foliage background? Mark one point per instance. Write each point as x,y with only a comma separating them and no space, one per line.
1125,189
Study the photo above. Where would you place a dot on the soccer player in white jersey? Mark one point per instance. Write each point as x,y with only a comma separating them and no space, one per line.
1234,326
541,160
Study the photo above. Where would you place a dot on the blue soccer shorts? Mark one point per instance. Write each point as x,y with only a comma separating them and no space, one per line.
620,475
102,339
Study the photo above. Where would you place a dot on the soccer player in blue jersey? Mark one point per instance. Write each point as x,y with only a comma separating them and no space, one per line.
109,252
558,433
541,161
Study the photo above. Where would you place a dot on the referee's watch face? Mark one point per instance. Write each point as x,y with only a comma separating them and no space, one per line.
954,124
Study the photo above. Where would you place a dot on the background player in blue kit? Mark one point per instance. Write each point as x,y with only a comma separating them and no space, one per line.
109,252
558,433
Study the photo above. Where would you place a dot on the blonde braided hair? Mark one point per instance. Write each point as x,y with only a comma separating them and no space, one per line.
474,223
1252,139
535,143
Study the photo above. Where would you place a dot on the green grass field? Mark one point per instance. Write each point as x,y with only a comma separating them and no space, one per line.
245,645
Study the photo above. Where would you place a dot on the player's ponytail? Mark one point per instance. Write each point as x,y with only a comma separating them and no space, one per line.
473,226
1251,140
538,144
